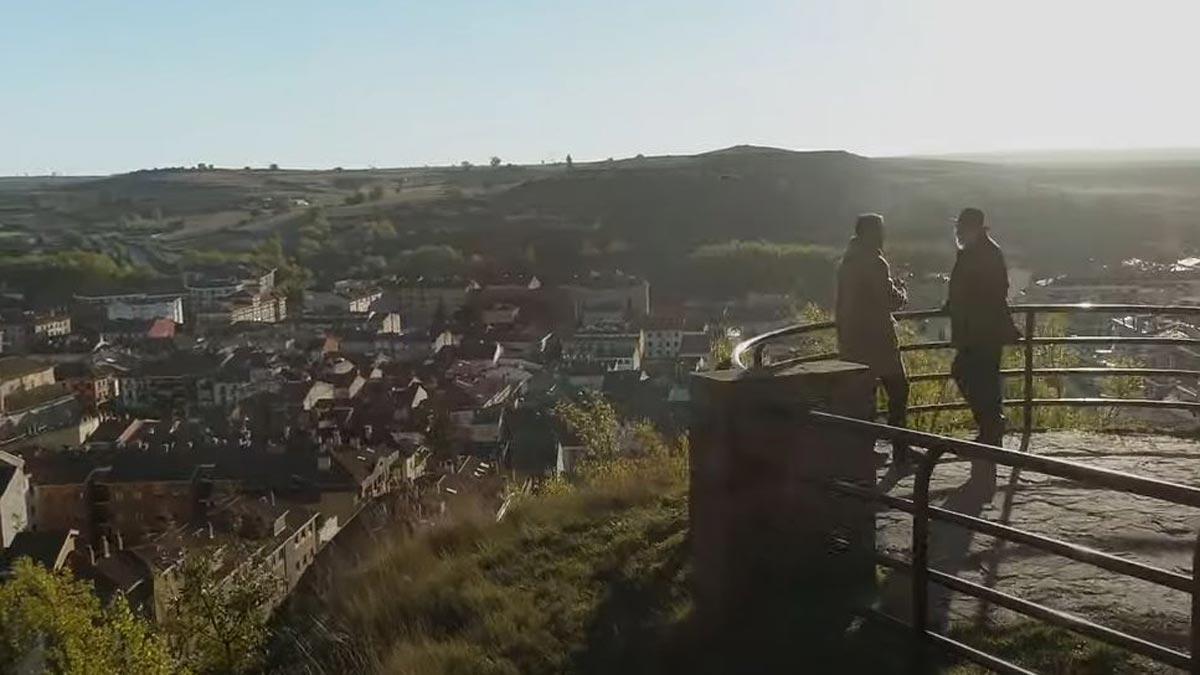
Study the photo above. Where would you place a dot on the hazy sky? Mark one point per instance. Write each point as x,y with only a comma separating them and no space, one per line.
96,86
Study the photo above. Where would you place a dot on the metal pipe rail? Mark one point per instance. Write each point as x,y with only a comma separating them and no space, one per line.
756,347
1044,340
923,512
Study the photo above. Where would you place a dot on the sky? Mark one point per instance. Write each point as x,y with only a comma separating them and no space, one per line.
91,86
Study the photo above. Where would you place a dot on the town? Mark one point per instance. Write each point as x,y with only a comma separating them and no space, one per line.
588,338
143,426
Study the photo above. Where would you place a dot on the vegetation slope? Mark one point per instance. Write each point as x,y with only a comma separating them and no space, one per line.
588,578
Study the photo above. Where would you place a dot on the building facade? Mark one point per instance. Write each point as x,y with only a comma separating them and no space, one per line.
147,308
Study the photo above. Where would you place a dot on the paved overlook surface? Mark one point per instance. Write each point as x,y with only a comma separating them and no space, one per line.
1134,527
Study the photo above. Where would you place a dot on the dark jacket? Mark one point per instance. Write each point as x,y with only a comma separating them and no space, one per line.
866,298
978,297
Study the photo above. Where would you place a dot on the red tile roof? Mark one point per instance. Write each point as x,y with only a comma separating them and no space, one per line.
161,329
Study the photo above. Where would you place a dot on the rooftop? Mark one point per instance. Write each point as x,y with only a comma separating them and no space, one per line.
181,364
12,367
615,279
44,548
31,398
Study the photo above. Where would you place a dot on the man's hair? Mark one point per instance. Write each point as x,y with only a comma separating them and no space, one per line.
971,217
868,221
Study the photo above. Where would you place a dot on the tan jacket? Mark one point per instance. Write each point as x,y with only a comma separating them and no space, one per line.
866,297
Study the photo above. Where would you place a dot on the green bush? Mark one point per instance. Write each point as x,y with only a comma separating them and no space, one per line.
54,623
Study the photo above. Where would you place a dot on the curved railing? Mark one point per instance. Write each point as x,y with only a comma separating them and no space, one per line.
756,349
931,447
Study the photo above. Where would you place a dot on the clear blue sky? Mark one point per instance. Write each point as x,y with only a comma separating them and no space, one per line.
94,86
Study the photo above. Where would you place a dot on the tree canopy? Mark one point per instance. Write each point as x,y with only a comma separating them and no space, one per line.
737,267
53,622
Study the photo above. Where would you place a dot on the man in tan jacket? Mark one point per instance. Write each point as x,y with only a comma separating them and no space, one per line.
866,297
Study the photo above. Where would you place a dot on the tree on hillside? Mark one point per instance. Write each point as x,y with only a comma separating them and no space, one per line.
274,166
438,324
430,260
382,229
219,624
593,420
54,277
52,622
737,267
466,166
570,163
495,162
314,235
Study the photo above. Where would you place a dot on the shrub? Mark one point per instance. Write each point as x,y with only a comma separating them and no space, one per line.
53,622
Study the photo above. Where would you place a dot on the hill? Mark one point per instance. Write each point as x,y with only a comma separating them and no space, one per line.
637,213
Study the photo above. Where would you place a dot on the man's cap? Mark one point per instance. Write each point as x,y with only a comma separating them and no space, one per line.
971,217
866,220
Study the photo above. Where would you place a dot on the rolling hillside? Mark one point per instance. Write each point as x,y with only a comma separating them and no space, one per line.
653,208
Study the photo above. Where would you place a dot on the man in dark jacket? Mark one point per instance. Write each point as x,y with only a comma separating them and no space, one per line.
866,297
980,325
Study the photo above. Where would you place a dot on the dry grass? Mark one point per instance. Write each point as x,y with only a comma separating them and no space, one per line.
584,580
590,578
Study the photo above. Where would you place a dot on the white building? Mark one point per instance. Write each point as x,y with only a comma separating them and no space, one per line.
614,349
146,308
14,497
628,293
665,342
345,297
205,287
245,307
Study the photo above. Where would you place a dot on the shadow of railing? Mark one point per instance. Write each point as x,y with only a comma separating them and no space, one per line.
927,566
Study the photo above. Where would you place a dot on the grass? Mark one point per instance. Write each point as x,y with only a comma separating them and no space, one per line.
591,579
1045,649
585,581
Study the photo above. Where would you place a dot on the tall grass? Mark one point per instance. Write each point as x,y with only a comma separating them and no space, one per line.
572,579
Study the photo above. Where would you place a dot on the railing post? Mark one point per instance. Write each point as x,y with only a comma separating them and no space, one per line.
770,542
1027,407
1195,627
920,543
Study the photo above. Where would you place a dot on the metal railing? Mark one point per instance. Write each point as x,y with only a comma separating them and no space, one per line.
756,347
935,446
923,513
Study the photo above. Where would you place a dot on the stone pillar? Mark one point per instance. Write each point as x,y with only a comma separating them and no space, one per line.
765,534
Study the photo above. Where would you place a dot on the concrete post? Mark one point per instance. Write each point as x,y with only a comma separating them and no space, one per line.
762,526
